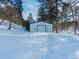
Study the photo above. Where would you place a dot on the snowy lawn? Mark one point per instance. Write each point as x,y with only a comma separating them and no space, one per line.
22,46
17,45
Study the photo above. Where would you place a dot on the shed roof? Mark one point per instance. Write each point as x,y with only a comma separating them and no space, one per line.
41,23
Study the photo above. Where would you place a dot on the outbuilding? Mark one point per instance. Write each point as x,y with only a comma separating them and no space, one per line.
40,27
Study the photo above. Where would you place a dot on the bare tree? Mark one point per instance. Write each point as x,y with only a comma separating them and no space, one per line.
72,4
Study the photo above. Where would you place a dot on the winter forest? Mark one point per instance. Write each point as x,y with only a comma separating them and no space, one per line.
62,14
39,29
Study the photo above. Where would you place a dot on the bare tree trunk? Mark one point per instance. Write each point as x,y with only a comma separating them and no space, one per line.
74,26
66,26
56,26
1,21
56,16
9,15
62,25
10,20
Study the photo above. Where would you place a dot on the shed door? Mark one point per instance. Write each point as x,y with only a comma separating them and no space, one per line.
48,28
41,28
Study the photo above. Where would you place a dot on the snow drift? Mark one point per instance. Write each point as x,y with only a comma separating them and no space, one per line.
15,27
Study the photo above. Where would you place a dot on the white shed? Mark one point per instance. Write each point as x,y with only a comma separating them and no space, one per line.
40,27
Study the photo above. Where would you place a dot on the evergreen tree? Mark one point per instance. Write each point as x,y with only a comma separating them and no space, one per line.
65,9
41,14
30,18
19,8
49,11
46,10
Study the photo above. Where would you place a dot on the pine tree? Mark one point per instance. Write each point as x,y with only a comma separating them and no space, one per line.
19,8
30,18
65,10
41,14
48,11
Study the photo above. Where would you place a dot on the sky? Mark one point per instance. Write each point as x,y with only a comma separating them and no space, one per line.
30,6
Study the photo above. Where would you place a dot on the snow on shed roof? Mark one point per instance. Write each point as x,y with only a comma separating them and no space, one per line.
41,23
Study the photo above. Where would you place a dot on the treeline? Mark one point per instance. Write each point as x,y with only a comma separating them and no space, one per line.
62,14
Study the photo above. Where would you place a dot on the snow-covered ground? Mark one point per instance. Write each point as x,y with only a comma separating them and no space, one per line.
14,27
23,45
38,46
